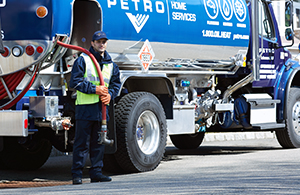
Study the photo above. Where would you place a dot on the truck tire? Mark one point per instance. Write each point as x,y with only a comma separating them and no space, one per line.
141,132
290,137
17,157
187,141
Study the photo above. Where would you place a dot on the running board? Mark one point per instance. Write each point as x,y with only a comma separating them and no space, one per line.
267,126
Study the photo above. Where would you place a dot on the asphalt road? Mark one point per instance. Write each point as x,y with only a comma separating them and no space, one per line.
227,167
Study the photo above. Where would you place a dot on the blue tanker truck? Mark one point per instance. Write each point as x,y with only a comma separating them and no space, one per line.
187,67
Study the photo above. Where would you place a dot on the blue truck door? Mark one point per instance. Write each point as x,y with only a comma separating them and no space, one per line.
270,60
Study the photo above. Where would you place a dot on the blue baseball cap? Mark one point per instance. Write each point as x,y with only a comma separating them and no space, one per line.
99,35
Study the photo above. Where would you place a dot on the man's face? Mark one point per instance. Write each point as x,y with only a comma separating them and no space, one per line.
99,45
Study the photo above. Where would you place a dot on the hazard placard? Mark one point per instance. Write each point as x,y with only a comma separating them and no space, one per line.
146,55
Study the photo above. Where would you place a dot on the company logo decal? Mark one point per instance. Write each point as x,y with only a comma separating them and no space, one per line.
211,8
138,21
226,9
240,10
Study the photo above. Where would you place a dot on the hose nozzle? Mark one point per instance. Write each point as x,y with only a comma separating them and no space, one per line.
102,136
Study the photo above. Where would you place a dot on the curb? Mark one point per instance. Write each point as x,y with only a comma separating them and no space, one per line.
233,136
238,136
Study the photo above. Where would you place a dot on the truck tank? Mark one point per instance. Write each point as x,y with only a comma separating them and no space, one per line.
208,30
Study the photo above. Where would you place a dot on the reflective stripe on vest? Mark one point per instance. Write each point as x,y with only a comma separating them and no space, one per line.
91,75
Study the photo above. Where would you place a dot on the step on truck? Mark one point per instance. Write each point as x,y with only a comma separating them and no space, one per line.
187,67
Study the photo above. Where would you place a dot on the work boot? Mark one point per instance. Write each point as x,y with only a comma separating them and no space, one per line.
101,178
77,180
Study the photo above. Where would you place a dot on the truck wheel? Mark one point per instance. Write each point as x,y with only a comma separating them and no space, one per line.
141,132
187,141
290,137
16,156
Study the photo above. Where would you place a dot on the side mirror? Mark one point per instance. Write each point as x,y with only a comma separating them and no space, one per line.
289,34
289,31
288,13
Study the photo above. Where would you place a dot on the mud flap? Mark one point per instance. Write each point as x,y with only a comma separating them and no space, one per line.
1,144
111,134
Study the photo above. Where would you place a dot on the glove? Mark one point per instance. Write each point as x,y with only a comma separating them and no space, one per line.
105,98
101,90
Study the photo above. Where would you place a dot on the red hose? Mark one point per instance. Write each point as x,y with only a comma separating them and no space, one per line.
97,67
8,80
20,95
12,81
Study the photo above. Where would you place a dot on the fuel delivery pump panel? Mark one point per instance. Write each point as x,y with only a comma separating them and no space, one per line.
206,29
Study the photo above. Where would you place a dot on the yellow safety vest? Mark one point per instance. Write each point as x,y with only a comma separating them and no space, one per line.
92,76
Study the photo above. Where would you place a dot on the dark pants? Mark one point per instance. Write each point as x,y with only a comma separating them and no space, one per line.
86,137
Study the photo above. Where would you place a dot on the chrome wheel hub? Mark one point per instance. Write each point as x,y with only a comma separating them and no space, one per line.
296,118
147,132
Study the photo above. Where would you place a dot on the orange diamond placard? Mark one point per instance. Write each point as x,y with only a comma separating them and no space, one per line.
146,55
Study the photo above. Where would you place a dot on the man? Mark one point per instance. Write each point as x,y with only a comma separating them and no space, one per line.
88,114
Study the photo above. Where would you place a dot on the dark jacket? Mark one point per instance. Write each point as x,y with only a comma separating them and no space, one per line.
93,111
